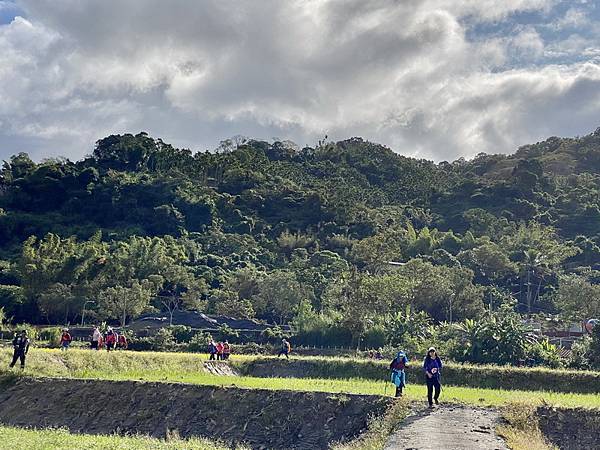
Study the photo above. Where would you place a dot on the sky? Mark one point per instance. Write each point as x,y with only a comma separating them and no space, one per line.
435,79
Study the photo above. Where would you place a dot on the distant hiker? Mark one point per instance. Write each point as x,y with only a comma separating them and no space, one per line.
286,348
212,349
110,339
122,342
397,367
96,338
219,351
432,365
65,339
21,347
226,350
379,353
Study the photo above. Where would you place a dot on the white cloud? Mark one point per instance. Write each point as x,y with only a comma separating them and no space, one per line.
573,18
393,71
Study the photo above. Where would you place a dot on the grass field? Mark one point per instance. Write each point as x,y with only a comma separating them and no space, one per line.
19,438
188,368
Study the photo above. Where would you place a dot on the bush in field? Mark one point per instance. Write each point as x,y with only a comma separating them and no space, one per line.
594,353
163,340
52,335
580,354
199,342
319,330
407,324
334,335
497,338
228,333
544,353
374,337
274,334
181,333
32,331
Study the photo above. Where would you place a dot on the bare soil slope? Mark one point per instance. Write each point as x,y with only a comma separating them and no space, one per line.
260,418
571,429
449,427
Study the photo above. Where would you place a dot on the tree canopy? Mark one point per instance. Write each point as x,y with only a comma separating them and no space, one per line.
343,234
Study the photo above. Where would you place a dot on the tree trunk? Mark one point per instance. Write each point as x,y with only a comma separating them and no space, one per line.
537,294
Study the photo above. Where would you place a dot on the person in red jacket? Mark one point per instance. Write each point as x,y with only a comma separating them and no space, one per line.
226,350
65,340
110,340
219,351
122,342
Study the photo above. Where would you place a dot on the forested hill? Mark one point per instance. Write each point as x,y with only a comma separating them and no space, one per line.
228,229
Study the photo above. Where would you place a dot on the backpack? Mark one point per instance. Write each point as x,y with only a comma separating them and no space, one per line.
398,364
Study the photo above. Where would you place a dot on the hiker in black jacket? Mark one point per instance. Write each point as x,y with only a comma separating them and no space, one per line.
21,347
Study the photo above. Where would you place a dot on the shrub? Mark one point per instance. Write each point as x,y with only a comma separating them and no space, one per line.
181,333
497,338
32,331
407,324
580,354
228,333
544,353
330,335
143,344
374,337
163,340
274,334
199,342
52,335
594,351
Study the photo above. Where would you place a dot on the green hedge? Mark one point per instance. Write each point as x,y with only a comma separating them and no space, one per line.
491,377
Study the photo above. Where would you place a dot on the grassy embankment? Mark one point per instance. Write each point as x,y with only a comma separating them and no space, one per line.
19,438
188,368
522,430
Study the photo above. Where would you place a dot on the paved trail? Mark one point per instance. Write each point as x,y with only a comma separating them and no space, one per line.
449,428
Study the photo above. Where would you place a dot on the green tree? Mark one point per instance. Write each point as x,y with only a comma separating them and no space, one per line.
121,302
279,294
577,298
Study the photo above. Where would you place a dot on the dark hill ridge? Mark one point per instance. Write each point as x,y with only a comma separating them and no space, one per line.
138,185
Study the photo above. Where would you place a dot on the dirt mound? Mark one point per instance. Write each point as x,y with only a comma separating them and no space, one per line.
451,427
570,428
260,418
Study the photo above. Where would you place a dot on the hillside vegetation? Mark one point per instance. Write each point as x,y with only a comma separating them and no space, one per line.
305,236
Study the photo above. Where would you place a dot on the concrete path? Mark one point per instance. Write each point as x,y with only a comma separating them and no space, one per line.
449,427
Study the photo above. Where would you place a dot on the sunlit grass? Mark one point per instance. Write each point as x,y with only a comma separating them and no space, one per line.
20,438
189,368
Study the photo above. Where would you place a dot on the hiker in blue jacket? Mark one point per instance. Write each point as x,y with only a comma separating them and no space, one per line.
432,365
397,367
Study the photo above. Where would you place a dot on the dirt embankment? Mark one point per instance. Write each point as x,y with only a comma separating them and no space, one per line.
571,429
219,368
260,418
